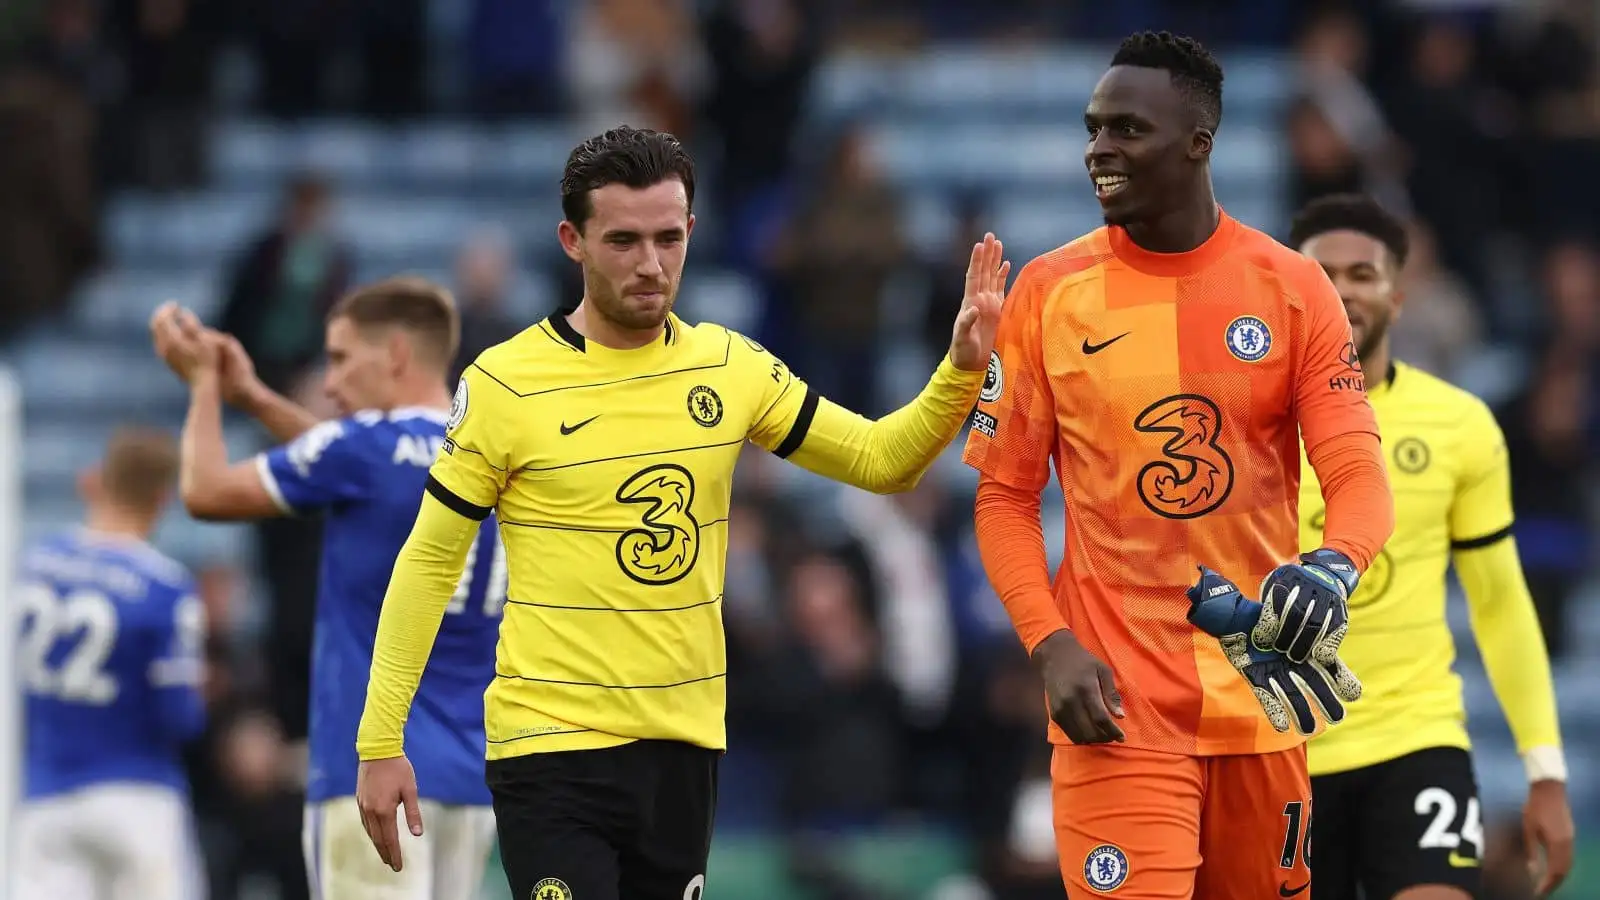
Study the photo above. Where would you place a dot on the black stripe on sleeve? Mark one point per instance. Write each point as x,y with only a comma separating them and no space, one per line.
802,425
1479,543
457,505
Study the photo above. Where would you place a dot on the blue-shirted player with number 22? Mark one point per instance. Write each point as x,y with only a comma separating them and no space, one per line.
389,347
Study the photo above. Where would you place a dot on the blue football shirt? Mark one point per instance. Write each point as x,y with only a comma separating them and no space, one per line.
109,655
366,474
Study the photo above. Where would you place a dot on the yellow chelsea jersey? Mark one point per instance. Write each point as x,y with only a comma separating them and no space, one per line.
610,472
1447,468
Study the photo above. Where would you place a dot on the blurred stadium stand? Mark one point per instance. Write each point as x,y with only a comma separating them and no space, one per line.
944,125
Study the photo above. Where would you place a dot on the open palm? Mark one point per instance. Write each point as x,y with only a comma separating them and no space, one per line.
972,340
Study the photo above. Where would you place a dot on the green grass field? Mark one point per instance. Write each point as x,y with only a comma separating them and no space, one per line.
908,865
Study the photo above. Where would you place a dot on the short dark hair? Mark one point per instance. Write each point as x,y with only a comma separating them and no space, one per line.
1351,212
1194,71
140,468
636,157
409,302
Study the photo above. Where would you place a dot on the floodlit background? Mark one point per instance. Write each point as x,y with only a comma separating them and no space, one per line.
254,158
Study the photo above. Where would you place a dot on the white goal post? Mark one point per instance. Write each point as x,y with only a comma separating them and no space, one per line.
10,695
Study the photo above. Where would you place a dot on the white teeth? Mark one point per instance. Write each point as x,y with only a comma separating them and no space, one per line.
1110,184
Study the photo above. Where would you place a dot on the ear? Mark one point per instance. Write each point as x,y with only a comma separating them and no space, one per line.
400,351
1200,144
571,240
689,229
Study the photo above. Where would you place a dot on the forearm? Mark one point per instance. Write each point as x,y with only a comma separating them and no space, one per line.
1011,545
1355,489
425,575
1512,645
203,459
283,418
892,453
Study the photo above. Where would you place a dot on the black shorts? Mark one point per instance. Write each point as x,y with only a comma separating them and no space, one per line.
632,821
1398,824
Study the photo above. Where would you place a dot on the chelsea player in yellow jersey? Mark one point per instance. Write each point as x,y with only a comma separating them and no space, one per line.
1395,799
605,442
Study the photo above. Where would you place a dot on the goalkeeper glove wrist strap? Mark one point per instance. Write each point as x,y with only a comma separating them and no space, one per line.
1335,563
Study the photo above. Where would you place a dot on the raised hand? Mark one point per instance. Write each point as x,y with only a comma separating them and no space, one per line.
240,385
181,341
973,338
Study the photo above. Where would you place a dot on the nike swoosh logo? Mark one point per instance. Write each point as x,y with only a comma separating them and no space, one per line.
1091,349
568,429
1457,861
1285,891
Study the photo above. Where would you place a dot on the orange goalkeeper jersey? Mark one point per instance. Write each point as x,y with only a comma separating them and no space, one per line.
1171,391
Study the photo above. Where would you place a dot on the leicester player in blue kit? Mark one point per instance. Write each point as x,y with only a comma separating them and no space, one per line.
389,348
109,659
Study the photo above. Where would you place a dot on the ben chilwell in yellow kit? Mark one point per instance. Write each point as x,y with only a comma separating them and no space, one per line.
605,442
1394,796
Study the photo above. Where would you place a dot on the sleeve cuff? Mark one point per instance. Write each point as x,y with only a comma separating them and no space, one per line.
1546,763
270,482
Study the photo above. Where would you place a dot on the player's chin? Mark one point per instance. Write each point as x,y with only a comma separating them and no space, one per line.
648,309
1118,207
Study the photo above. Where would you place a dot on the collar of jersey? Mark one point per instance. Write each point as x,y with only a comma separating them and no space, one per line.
1175,265
571,337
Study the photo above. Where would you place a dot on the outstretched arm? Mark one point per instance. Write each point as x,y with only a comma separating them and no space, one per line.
892,453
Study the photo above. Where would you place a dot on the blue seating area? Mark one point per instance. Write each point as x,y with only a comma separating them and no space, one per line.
943,125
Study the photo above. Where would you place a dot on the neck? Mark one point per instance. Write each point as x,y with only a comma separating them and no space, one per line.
1183,229
595,327
422,390
119,522
1375,365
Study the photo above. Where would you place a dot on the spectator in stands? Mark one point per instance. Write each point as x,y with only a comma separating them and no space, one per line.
285,282
638,62
1548,438
393,35
280,289
1332,59
483,277
169,48
1445,116
834,263
514,55
1439,328
831,712
762,54
1551,70
49,222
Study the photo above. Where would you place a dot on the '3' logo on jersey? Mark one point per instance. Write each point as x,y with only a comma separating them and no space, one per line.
664,549
1194,475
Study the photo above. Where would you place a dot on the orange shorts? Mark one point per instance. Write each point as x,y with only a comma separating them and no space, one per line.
1142,825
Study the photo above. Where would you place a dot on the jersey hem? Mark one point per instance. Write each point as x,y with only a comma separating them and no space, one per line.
1381,752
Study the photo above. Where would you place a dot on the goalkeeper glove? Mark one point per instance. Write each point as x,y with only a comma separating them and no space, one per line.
1285,689
1305,611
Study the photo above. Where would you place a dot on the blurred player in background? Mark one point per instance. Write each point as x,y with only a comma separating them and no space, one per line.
110,658
1168,364
1397,804
606,440
389,347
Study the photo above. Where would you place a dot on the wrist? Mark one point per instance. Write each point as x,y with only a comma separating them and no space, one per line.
1051,641
253,398
1546,763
